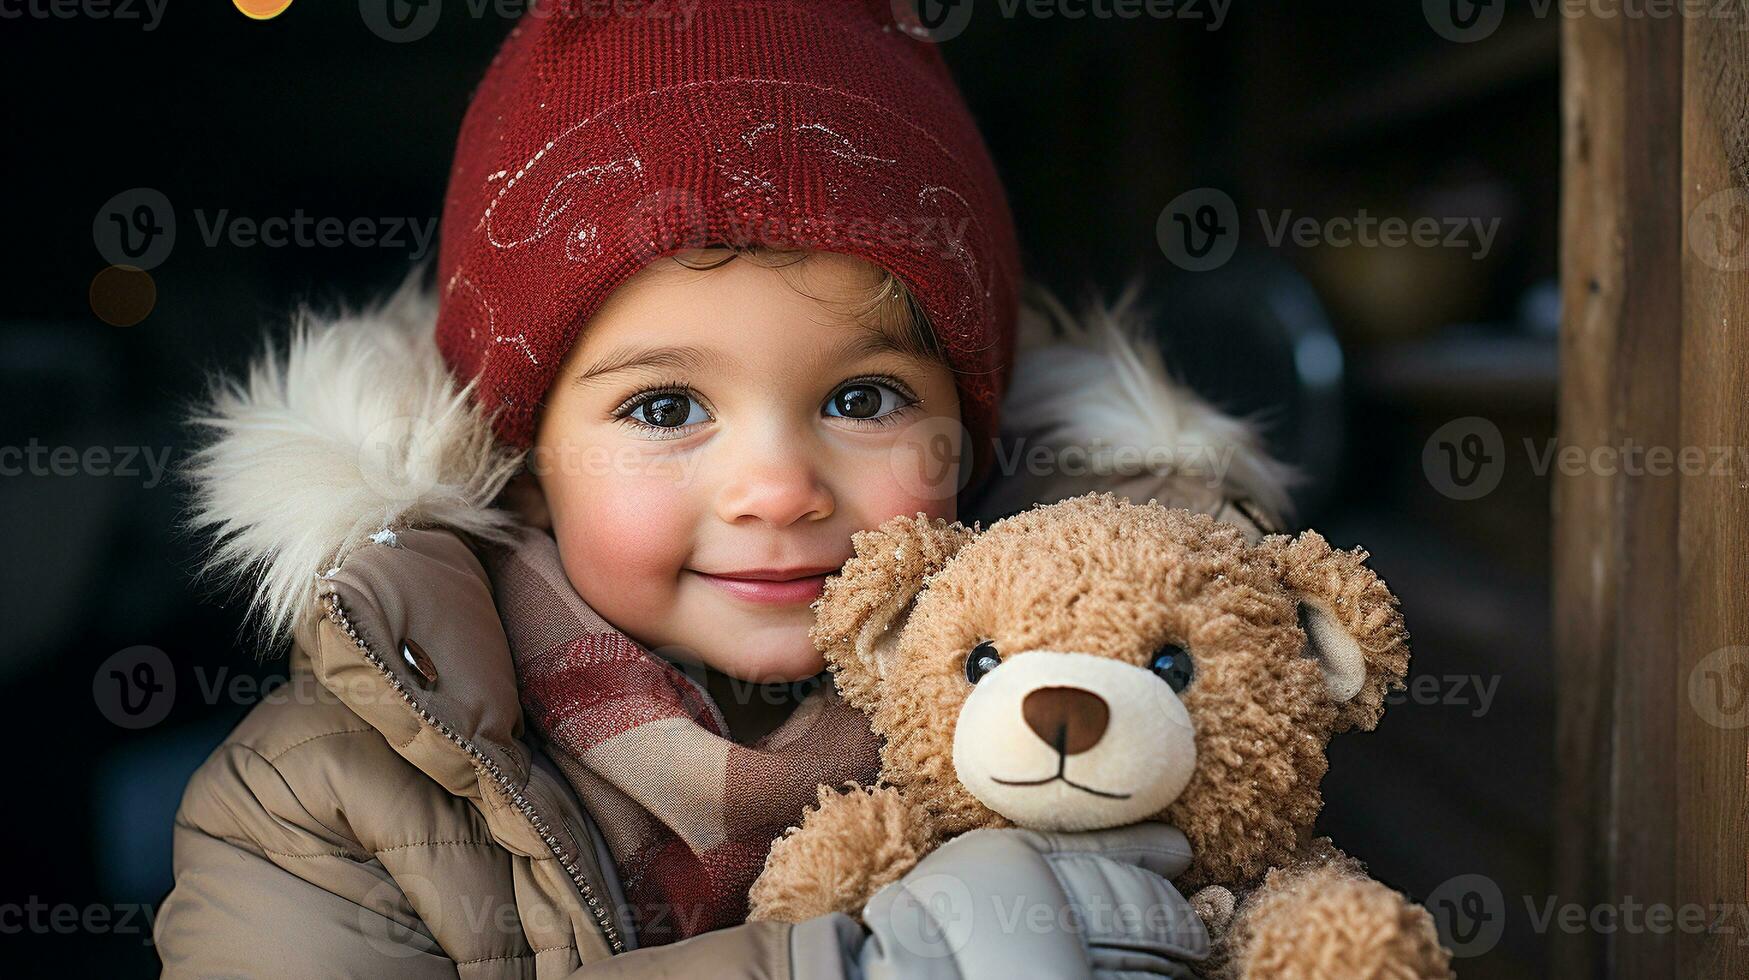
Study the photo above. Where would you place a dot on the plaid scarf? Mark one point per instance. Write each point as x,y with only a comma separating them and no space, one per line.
688,814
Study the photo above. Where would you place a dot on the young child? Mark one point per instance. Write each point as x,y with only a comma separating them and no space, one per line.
710,291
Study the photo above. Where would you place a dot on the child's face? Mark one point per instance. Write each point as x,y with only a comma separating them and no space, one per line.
713,441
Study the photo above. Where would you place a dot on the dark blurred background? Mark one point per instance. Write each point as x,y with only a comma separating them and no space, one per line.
1363,361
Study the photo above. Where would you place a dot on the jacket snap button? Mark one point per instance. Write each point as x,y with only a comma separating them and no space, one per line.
416,659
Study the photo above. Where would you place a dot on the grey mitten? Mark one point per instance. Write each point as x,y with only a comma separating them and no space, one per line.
1008,903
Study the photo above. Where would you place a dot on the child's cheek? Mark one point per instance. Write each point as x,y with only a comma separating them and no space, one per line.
894,500
917,472
624,538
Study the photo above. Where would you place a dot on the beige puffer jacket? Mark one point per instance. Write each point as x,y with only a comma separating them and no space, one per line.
382,814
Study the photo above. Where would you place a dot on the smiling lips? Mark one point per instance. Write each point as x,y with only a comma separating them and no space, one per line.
1062,771
772,586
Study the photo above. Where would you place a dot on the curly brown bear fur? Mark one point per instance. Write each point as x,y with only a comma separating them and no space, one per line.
1321,916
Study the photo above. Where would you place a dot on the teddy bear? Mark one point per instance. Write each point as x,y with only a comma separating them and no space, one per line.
1097,662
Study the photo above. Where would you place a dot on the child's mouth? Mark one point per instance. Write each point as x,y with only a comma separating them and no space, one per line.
771,586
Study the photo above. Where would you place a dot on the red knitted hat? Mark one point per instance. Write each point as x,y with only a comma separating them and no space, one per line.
599,142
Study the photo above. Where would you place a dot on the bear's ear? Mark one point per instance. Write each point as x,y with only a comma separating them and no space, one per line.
1352,625
860,615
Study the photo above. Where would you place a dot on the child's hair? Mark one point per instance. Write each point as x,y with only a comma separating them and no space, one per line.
888,306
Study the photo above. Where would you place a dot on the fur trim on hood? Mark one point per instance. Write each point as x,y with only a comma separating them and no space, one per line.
1093,407
356,428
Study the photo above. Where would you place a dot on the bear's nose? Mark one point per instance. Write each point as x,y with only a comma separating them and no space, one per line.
1070,719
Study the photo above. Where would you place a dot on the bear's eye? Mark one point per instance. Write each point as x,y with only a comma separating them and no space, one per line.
1172,665
981,661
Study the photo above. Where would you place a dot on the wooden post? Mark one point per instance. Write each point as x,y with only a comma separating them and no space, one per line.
1652,568
1712,833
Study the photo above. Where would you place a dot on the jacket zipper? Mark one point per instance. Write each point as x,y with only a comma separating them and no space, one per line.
486,765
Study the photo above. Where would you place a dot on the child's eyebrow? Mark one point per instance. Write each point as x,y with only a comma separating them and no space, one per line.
875,339
626,358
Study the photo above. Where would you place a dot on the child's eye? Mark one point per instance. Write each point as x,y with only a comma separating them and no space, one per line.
866,400
667,410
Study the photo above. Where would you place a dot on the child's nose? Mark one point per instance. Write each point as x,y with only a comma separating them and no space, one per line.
777,492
